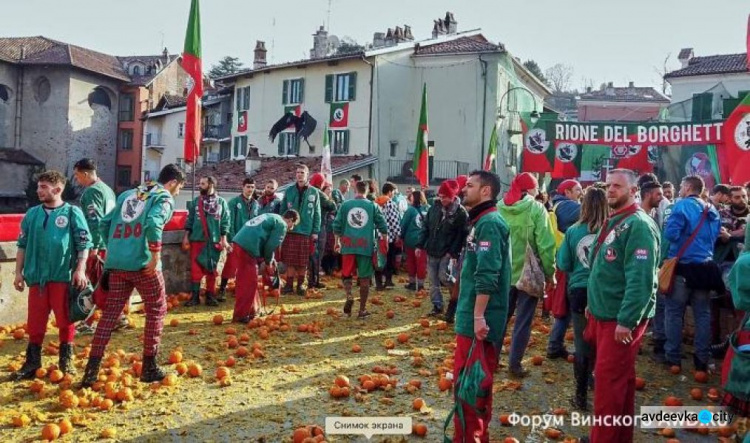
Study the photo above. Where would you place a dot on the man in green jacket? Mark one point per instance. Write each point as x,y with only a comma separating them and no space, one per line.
134,236
483,299
529,225
621,298
297,247
97,201
354,226
206,231
52,250
255,243
269,202
241,209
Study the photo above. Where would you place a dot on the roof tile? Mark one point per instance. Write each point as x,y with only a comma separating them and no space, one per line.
626,94
712,64
461,45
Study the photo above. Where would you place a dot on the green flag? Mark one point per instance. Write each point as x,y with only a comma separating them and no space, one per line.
491,159
192,64
420,150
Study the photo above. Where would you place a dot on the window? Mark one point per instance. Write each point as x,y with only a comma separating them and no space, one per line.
288,143
123,176
240,146
339,142
136,70
180,130
4,93
99,96
341,87
126,139
243,98
42,89
394,148
126,107
293,92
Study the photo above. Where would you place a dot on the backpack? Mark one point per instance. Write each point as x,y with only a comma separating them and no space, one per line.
553,225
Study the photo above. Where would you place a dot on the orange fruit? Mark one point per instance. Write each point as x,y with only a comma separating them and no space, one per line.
50,432
403,337
175,357
389,344
56,376
701,377
18,334
221,372
552,433
218,319
21,421
425,323
108,433
125,394
195,370
335,391
419,429
417,404
230,362
667,432
37,386
232,343
40,373
505,419
640,383
226,381
66,427
300,434
106,404
675,369
242,352
174,322
181,368
170,380
713,394
369,385
444,384
341,381
672,401
537,360
696,394
416,383
230,331
356,349
390,314
257,353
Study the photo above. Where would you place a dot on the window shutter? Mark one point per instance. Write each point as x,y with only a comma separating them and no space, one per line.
281,144
247,98
285,93
352,86
702,107
346,142
301,90
329,88
238,99
236,142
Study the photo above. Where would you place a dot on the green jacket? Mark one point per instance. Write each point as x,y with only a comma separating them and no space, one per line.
573,255
327,205
529,223
218,224
664,243
622,284
270,206
412,224
308,206
134,229
260,236
486,270
51,243
97,201
355,224
445,235
240,211
338,197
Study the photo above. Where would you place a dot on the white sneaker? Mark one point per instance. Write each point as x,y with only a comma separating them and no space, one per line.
85,329
123,323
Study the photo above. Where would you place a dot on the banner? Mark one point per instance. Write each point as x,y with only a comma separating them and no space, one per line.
657,134
339,115
242,122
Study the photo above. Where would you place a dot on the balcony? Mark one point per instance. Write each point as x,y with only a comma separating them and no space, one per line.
154,140
216,132
400,171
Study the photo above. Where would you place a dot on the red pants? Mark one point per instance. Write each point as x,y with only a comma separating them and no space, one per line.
477,425
121,285
614,391
230,266
51,297
94,270
416,263
197,272
246,288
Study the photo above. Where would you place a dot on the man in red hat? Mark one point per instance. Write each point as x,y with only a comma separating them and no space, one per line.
445,226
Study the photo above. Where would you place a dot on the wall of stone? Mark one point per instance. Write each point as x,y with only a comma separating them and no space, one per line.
8,79
13,305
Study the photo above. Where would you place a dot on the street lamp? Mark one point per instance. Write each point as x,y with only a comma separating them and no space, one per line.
534,117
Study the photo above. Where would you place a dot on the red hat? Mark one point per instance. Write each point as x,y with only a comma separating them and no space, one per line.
448,188
317,180
567,184
523,182
461,180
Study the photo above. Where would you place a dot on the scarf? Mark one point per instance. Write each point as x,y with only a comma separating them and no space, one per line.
476,211
210,204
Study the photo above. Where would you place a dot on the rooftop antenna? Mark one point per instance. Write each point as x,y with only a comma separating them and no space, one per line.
328,19
162,40
273,40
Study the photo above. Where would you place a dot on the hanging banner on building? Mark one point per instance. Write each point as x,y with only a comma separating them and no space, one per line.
646,134
339,115
242,122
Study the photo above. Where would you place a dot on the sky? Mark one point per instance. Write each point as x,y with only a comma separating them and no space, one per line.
602,40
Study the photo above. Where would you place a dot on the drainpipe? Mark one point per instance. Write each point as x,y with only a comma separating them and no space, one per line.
372,86
484,107
19,102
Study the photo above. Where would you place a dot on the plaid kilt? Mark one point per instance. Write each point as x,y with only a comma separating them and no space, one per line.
295,251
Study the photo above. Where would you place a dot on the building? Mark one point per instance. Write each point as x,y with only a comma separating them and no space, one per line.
58,103
615,103
152,78
370,101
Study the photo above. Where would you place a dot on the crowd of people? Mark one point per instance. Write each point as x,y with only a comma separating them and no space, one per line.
590,256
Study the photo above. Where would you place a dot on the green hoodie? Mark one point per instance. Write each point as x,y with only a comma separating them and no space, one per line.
622,284
97,201
529,223
573,255
133,230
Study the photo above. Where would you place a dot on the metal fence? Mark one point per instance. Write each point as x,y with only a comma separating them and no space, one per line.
439,169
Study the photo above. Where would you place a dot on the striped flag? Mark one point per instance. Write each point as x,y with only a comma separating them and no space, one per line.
192,64
420,165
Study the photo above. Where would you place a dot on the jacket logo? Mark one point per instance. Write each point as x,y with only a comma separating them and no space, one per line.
610,255
257,220
584,248
61,221
641,254
357,218
484,246
132,208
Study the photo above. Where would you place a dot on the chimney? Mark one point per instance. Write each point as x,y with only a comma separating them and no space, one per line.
407,33
389,37
686,54
259,60
589,89
631,85
378,40
165,54
631,88
610,89
398,34
451,25
320,43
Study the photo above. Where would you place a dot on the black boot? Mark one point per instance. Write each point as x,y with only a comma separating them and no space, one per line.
450,312
66,359
349,300
222,294
364,292
378,281
388,279
91,375
211,299
151,371
581,375
195,300
33,362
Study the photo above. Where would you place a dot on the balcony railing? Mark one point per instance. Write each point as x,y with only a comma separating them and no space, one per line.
216,132
154,139
440,170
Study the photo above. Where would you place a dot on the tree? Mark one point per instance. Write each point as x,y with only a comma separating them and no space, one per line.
348,46
559,77
534,68
227,65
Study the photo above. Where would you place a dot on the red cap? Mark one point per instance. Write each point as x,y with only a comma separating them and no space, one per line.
461,180
448,188
317,180
567,184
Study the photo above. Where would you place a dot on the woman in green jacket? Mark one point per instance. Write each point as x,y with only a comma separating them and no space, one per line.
573,259
412,234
